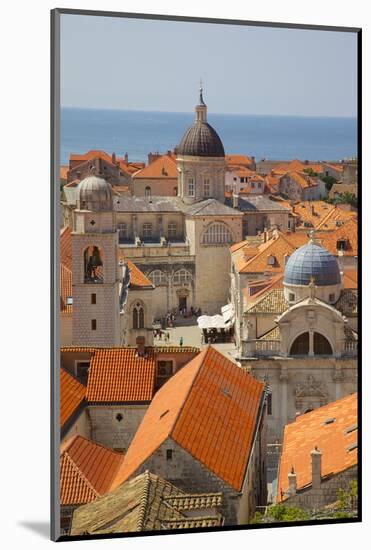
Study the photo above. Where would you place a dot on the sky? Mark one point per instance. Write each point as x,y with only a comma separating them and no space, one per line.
133,64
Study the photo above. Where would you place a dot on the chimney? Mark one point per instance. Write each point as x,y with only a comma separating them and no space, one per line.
150,158
234,200
292,482
114,158
316,457
126,157
313,210
141,345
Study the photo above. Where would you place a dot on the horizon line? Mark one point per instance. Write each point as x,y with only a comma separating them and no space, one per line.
210,112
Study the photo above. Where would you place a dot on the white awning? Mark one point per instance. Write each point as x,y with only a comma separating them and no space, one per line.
228,313
214,321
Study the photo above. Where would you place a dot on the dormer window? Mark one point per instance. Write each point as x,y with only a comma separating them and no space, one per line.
271,260
341,244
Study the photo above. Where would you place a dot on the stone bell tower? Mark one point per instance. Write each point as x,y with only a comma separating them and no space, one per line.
95,270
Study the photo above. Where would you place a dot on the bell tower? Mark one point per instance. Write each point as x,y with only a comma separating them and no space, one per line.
95,269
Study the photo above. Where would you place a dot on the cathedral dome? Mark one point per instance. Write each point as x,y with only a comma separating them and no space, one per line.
201,140
312,262
95,193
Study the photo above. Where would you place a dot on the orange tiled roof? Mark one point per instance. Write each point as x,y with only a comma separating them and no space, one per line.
120,375
72,395
335,217
309,431
65,289
63,172
137,278
284,167
163,167
66,247
313,212
279,247
94,153
86,471
348,232
302,179
210,408
255,289
350,278
238,160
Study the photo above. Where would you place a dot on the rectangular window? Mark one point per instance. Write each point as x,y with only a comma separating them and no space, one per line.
191,187
252,185
93,298
93,324
123,231
171,229
291,297
207,188
332,298
169,454
147,230
269,404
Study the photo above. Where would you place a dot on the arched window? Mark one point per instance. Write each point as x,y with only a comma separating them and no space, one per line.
93,265
217,233
300,345
138,316
148,191
321,346
158,277
182,276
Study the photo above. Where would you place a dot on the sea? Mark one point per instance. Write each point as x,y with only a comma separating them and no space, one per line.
263,136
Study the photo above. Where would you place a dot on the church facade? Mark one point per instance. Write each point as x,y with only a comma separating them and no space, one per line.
180,243
302,338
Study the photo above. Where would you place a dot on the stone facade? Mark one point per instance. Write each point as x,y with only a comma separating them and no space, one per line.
301,384
114,426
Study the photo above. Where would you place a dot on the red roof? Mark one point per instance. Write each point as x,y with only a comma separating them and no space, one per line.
210,408
163,167
333,439
86,470
137,278
72,394
120,375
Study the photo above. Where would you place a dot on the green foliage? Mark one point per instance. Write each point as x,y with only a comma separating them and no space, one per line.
279,513
310,172
329,181
347,499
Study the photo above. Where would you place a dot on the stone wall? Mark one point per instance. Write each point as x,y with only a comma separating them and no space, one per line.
108,430
299,384
314,499
160,187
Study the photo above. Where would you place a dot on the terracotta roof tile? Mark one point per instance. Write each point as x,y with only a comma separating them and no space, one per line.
87,470
210,408
238,160
72,394
94,153
66,247
347,232
335,217
272,301
350,278
145,503
332,439
302,179
120,375
163,167
137,278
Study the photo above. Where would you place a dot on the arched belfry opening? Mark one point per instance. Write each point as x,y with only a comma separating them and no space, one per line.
311,344
93,265
321,346
300,345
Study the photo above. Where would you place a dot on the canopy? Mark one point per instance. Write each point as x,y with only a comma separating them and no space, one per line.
215,321
228,313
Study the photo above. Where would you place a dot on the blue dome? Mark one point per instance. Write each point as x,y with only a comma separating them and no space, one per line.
312,260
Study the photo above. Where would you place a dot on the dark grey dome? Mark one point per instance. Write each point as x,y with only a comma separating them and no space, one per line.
201,140
95,193
312,260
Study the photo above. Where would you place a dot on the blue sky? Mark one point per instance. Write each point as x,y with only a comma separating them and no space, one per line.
118,63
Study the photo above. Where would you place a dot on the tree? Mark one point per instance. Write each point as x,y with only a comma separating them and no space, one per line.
280,513
329,181
310,172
